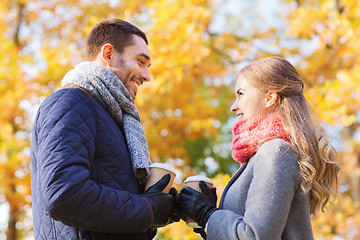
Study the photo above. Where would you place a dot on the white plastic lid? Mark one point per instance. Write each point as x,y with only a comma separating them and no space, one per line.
163,166
198,178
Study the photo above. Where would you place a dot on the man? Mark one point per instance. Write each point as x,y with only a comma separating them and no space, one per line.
89,156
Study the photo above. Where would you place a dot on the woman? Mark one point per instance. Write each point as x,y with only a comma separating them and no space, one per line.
288,169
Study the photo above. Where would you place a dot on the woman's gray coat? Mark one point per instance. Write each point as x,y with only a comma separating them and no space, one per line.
264,200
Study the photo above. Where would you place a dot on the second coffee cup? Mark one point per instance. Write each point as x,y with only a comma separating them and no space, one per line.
193,182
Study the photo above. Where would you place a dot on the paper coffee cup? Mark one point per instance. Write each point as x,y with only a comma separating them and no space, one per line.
157,171
193,182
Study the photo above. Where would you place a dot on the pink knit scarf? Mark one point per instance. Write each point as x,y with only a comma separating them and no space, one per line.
251,133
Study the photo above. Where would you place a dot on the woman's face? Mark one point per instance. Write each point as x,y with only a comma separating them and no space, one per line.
250,101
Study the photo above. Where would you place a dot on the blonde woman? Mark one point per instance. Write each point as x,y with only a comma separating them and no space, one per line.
288,169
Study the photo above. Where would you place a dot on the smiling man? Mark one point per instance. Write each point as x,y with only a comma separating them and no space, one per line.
89,155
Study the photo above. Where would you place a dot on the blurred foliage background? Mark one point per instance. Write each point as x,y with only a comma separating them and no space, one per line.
197,48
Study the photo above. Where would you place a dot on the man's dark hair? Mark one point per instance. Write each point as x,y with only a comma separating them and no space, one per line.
117,32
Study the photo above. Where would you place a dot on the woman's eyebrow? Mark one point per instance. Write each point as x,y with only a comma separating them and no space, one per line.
238,91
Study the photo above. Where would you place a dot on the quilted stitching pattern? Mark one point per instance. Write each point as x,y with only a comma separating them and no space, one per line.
82,182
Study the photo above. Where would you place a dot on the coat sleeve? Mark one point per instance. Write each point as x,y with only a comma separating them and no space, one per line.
275,179
65,131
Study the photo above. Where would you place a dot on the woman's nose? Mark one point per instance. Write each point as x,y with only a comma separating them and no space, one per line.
234,106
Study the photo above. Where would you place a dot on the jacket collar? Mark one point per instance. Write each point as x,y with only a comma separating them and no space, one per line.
232,180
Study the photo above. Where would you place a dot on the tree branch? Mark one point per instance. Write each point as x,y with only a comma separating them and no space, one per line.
339,7
20,7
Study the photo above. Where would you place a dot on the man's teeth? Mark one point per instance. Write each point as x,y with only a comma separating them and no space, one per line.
135,82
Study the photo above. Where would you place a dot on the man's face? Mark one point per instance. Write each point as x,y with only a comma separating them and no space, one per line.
132,65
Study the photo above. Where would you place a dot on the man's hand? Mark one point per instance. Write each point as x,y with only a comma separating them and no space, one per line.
161,203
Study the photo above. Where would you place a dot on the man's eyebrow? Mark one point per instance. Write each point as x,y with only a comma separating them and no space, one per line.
145,56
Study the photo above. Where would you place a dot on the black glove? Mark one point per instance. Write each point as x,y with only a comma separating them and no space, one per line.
177,210
199,206
161,203
201,231
174,217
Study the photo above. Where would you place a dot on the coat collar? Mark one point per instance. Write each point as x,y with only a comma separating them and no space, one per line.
231,181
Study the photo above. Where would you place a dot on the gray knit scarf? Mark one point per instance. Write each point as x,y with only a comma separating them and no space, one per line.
108,89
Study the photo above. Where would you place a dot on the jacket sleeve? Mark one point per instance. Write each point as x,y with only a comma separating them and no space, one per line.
65,130
275,179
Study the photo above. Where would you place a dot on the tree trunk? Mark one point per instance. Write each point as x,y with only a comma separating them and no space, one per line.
355,187
355,177
13,210
20,8
352,155
11,231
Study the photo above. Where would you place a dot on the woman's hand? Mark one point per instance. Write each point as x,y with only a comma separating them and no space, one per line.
199,206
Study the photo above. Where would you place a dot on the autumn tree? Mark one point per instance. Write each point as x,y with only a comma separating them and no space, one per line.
185,108
187,102
38,45
332,72
321,39
14,122
181,111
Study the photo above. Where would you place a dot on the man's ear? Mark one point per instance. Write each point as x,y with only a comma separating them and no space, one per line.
271,98
106,54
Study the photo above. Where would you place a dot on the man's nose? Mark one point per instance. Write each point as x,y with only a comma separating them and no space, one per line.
145,75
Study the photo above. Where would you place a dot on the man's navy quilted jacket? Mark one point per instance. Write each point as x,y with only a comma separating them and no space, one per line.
83,185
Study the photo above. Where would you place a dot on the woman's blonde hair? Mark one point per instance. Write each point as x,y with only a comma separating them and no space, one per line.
317,157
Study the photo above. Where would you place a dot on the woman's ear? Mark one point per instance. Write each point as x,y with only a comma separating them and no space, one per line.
271,98
106,54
